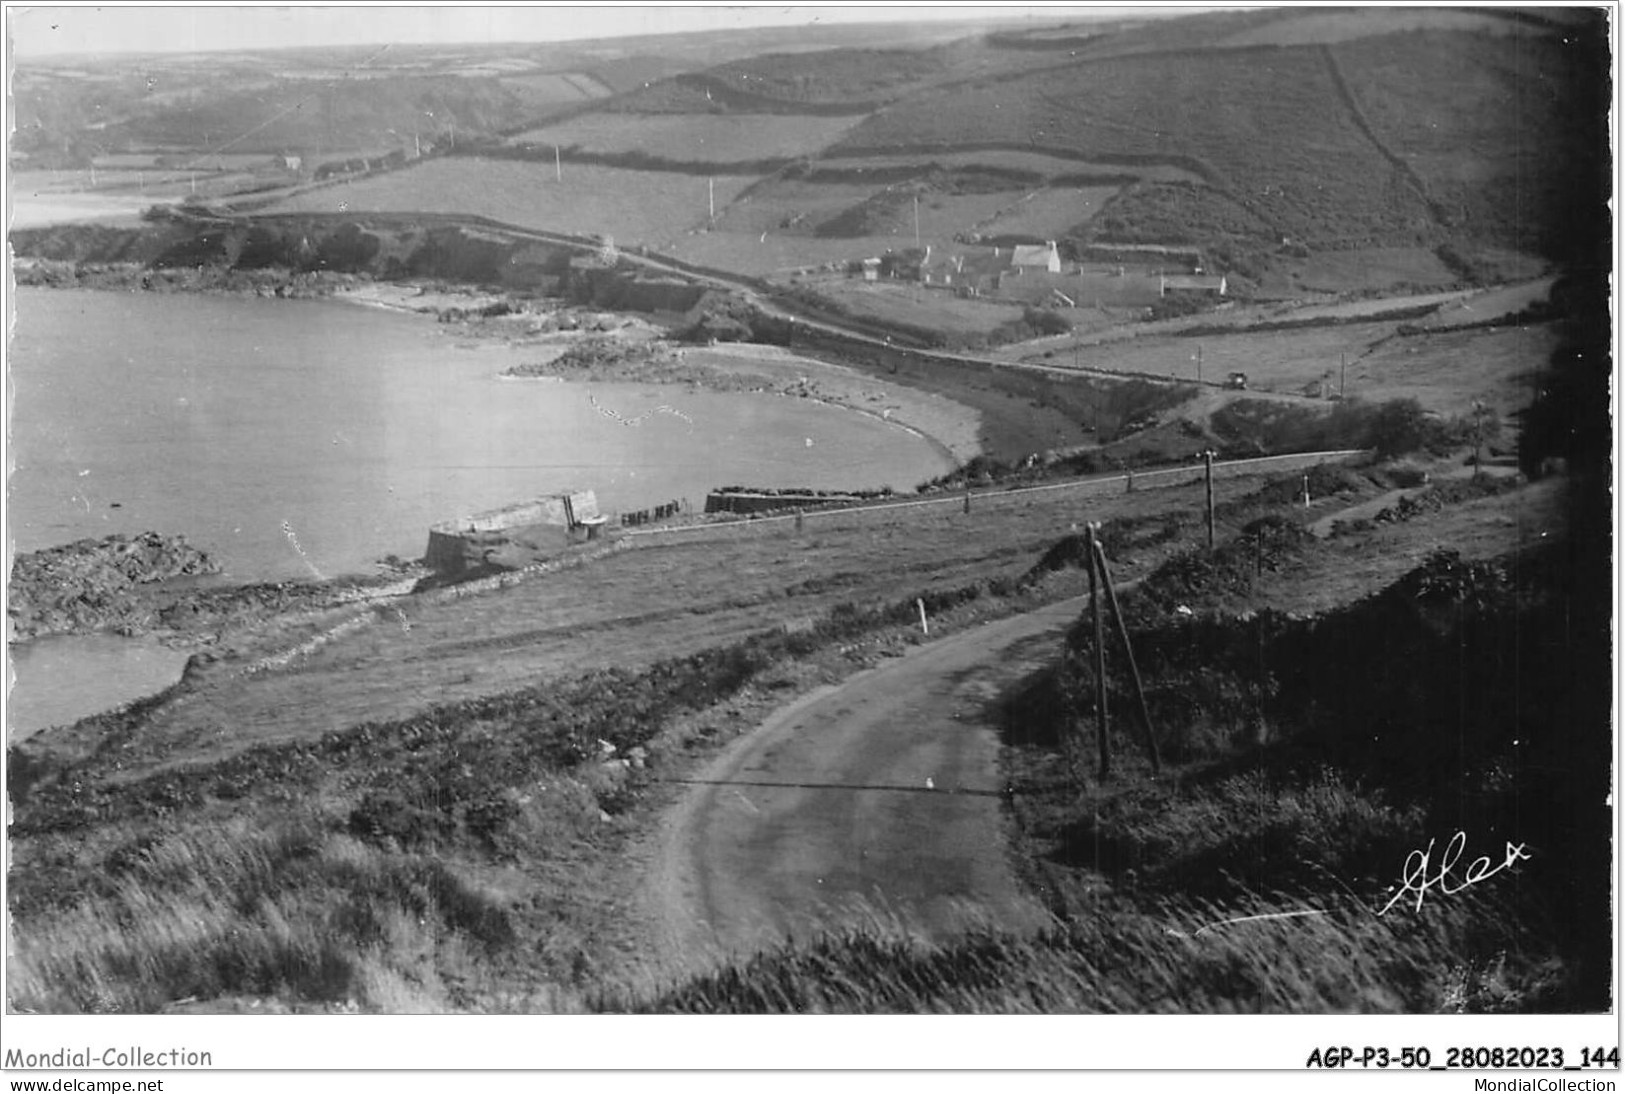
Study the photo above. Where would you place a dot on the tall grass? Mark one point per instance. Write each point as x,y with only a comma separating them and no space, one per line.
1179,957
297,913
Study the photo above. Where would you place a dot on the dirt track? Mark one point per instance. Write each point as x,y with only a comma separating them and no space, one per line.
877,799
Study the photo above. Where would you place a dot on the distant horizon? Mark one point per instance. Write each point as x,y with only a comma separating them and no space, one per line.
137,29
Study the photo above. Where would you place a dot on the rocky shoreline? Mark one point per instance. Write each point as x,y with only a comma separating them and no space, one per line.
98,584
133,277
616,360
149,584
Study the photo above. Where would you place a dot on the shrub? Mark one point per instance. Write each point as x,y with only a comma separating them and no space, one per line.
1046,321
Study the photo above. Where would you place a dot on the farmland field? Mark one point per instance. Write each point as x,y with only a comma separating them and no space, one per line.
1048,214
775,226
1324,181
717,138
630,206
1343,271
902,302
1039,164
545,88
1310,28
1500,362
759,255
941,215
824,76
1445,371
54,197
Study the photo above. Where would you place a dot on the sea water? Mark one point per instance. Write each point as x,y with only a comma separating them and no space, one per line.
307,439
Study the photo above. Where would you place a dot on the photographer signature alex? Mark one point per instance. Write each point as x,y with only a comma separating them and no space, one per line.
1419,876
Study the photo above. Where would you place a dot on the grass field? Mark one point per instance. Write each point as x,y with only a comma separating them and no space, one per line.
1048,214
1387,268
786,224
694,138
1047,167
917,306
678,595
630,206
55,197
1312,28
836,75
1446,372
549,88
776,226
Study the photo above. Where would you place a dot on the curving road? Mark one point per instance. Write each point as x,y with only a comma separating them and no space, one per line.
877,798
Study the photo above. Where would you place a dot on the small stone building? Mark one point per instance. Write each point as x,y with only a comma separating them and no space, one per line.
514,535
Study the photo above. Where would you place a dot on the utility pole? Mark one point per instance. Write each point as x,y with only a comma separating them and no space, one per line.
1343,378
1478,437
1198,362
1101,724
1207,459
712,190
558,165
1128,650
916,222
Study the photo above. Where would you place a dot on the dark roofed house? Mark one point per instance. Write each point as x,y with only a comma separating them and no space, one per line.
970,274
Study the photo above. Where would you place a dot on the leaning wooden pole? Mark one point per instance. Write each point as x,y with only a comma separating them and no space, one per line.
1101,721
1207,458
1133,666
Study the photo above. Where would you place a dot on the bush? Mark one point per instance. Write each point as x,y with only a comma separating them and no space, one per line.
1046,321
1400,427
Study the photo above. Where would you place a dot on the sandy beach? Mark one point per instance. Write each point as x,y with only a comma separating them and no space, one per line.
952,425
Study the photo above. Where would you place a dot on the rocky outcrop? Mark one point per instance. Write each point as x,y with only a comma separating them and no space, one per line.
290,248
141,584
87,585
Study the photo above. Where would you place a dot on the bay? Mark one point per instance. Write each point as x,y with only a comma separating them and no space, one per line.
296,439
308,439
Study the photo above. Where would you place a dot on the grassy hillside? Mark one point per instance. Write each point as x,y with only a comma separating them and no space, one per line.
1504,132
1268,134
1472,135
